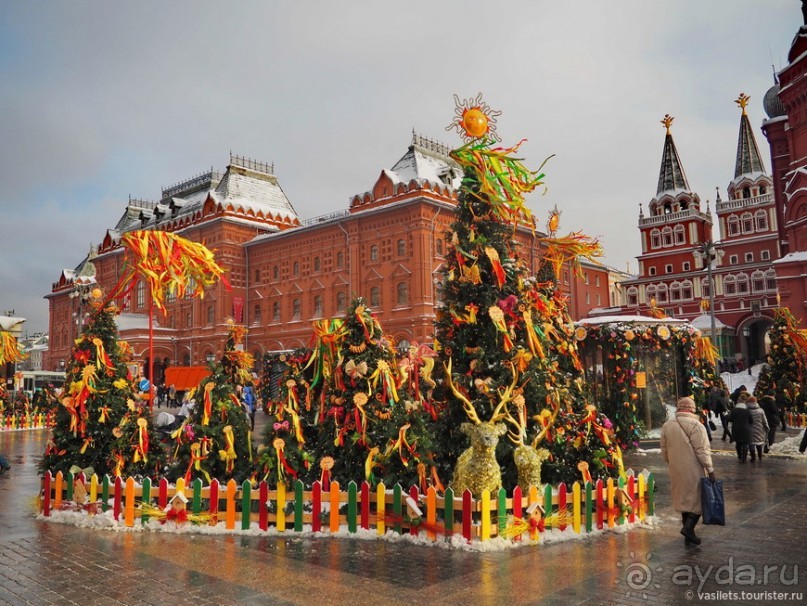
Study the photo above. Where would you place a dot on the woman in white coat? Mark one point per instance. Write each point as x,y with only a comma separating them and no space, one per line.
685,448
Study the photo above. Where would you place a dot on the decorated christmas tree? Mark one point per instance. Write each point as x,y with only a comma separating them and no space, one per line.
101,425
507,344
788,354
215,440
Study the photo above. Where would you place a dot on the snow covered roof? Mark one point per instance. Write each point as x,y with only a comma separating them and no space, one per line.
128,321
246,190
426,160
628,319
704,322
794,256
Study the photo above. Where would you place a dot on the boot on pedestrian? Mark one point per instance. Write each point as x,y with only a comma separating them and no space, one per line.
690,521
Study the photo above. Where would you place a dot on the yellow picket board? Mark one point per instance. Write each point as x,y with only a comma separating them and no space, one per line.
58,486
128,502
641,490
431,512
533,498
180,486
93,489
281,507
380,508
334,498
230,515
611,490
485,535
576,507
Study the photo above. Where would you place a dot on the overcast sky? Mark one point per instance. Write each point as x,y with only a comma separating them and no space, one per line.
103,100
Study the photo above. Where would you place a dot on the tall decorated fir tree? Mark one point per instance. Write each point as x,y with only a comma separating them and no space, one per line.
786,361
506,337
101,424
215,440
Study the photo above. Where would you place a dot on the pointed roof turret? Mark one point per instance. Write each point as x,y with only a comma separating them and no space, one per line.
748,158
671,176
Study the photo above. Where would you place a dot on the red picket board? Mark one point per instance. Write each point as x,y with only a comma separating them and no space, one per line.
413,494
600,507
365,505
117,505
162,494
517,507
46,496
214,501
466,515
562,505
263,510
631,489
316,507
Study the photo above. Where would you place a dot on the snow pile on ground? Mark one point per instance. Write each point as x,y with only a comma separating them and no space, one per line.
789,447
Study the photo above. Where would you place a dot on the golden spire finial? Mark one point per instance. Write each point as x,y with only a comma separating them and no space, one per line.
667,122
742,101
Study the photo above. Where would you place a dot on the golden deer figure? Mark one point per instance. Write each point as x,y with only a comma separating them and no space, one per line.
477,469
527,457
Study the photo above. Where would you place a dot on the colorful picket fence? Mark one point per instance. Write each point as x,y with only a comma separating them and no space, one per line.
21,420
795,419
581,507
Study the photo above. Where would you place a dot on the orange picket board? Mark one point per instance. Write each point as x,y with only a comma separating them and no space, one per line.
431,512
93,489
129,498
334,499
641,491
280,509
576,507
380,508
611,490
230,515
58,484
533,498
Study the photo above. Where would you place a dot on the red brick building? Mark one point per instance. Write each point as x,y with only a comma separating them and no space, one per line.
387,247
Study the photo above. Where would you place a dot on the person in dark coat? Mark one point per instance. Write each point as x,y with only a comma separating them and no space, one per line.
740,419
722,408
768,404
736,393
803,445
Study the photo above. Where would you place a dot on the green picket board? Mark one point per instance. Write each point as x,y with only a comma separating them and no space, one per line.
651,497
69,478
146,498
548,501
196,504
448,512
105,493
246,504
351,507
620,485
589,506
502,513
298,505
397,508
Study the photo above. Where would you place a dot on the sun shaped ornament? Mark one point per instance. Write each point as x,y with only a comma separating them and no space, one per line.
553,223
474,119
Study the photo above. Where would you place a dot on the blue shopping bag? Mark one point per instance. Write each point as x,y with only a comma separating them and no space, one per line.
714,511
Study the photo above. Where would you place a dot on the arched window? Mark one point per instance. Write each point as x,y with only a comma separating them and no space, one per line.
374,253
770,279
662,294
747,221
655,239
275,272
375,296
650,294
340,259
730,285
439,246
675,291
210,314
667,236
296,309
758,281
403,293
633,296
705,287
316,264
401,247
679,234
257,276
276,311
341,301
762,189
734,225
318,306
742,284
746,192
761,219
667,208
256,316
141,294
295,268
686,290
188,320
439,292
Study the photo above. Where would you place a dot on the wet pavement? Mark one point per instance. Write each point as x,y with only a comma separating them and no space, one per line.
760,556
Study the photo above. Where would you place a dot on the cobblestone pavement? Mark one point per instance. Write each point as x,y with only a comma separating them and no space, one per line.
42,563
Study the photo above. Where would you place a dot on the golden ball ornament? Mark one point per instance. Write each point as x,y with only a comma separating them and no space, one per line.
475,122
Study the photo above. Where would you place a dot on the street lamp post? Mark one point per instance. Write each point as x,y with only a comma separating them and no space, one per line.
709,252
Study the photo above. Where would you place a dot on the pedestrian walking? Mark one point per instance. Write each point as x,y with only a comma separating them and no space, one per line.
740,420
4,465
771,410
735,395
722,409
759,428
685,448
172,396
248,398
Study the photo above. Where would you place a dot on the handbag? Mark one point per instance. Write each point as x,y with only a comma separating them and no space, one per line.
714,511
712,425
